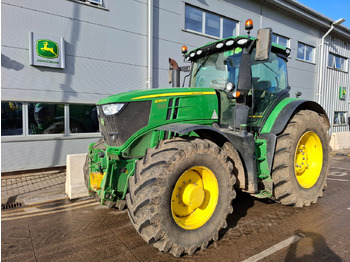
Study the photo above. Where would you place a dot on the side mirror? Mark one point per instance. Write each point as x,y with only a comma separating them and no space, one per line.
263,44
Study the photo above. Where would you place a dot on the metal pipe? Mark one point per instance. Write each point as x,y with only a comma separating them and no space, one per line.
321,67
150,44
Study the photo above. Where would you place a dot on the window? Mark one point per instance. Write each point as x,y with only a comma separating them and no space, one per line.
45,118
83,119
281,40
306,52
209,23
337,62
11,118
339,118
96,3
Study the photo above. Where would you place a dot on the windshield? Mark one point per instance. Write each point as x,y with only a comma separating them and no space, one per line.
217,69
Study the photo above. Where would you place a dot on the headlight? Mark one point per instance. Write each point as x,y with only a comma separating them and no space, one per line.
112,109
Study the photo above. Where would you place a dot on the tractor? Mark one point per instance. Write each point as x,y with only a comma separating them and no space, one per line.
177,156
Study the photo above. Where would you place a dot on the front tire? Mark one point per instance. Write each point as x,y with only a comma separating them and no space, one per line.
181,194
300,165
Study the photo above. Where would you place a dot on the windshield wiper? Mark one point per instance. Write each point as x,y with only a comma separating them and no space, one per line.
202,64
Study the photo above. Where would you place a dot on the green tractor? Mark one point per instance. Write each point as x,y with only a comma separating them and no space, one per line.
176,156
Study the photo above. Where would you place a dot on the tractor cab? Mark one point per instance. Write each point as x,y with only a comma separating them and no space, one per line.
250,75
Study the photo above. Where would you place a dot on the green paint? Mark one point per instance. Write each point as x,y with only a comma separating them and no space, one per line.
47,48
274,114
261,158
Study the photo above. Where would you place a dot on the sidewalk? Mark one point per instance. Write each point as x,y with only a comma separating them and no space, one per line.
30,188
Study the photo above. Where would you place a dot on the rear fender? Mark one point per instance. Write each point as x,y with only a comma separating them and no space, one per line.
279,118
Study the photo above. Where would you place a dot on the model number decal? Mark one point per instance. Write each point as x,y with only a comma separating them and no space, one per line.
160,100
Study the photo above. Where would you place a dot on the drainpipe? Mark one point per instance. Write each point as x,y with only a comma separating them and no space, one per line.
149,44
321,67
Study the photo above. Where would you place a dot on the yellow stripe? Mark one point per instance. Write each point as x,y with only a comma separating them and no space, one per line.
176,94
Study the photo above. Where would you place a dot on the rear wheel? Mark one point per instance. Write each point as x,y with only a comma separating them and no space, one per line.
300,164
180,195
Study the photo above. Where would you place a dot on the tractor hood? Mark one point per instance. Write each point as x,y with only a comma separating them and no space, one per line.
154,94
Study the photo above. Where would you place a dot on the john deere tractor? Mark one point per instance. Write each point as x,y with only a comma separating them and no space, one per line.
177,156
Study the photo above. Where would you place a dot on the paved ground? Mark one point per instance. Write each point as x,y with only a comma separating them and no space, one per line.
28,188
258,230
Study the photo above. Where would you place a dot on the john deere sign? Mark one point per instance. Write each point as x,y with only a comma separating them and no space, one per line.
46,51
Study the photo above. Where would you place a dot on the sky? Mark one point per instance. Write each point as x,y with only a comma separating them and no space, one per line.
334,9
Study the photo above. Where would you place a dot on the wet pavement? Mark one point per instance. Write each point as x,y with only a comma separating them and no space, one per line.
258,230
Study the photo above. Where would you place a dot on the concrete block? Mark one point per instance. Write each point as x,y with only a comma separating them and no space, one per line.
75,185
340,140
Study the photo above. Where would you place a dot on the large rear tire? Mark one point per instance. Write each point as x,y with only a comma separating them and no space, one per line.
300,164
181,194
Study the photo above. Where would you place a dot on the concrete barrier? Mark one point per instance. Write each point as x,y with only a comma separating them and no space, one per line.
75,185
340,140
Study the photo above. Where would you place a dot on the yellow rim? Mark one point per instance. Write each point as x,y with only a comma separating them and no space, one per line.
194,197
308,159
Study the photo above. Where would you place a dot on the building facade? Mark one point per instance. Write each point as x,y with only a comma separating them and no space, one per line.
59,57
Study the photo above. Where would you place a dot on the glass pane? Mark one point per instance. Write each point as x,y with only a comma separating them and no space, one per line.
330,60
229,28
336,118
342,118
83,119
212,24
11,119
283,41
193,18
269,79
343,64
301,48
274,38
337,62
45,118
309,54
217,69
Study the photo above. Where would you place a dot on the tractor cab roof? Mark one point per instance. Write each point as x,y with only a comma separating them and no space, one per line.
229,44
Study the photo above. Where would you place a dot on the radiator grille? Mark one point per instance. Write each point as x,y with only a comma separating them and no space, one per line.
120,127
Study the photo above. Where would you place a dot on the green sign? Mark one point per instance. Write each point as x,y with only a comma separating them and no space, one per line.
47,48
342,93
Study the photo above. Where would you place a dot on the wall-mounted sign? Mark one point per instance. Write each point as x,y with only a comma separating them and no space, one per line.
46,50
342,93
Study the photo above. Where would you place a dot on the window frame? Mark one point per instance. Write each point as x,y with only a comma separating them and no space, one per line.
26,136
304,53
93,3
334,55
345,118
203,27
281,36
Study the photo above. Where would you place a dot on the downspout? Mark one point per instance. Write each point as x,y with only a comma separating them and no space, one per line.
149,44
321,67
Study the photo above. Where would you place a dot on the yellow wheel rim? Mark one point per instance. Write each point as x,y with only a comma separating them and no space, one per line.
308,159
194,197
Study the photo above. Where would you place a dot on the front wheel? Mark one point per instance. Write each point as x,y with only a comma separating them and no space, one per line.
300,165
181,194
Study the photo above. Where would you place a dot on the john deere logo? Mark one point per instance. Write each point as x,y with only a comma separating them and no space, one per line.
47,48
